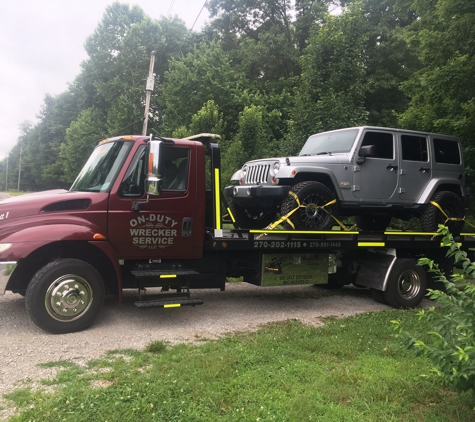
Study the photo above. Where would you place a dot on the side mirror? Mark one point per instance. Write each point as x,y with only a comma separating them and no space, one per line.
153,181
365,151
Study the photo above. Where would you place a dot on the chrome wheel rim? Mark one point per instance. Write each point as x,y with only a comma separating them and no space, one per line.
68,298
409,284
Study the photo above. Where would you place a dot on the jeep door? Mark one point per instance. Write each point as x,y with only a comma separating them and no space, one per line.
375,179
415,172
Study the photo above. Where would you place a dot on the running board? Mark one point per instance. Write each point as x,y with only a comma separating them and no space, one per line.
168,303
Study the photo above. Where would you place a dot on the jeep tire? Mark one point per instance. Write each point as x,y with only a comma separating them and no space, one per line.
452,205
311,196
250,219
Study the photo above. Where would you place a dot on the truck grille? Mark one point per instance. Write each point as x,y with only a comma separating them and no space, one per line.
257,173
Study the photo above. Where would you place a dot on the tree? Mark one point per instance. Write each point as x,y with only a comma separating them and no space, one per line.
331,92
442,92
81,138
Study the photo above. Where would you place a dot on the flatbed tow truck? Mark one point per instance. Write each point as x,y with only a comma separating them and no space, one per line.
149,212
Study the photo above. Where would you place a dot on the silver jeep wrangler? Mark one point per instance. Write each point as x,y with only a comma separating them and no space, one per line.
373,173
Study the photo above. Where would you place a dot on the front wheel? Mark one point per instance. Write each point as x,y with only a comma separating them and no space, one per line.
407,284
65,296
312,197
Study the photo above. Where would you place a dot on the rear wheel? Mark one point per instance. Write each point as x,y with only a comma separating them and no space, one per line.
65,296
250,219
311,196
452,205
407,284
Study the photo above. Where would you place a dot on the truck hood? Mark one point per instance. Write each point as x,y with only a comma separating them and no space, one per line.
42,202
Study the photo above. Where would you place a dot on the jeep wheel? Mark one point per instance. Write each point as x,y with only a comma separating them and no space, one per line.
312,196
250,219
452,205
373,222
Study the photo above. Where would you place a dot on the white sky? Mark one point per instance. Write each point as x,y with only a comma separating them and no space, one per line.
41,48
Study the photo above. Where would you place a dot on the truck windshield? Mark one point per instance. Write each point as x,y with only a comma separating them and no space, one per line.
329,142
101,168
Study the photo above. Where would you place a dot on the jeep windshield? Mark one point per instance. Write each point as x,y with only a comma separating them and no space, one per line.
101,168
329,142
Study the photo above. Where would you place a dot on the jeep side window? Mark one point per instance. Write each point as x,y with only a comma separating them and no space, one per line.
414,148
383,142
446,152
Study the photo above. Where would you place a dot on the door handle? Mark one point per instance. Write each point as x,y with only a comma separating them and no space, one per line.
424,169
391,167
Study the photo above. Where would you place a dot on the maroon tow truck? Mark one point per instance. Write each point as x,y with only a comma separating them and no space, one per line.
148,212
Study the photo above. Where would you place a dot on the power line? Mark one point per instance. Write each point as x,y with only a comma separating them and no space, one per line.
192,26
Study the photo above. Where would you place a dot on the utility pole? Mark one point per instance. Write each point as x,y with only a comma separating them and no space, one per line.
19,169
6,177
149,89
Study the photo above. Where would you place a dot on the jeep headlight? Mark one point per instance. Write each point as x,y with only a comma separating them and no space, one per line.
275,168
244,170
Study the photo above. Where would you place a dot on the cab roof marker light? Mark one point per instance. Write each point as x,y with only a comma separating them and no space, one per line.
127,138
101,142
4,247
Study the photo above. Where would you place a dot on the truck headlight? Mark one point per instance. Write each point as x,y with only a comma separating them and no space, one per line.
4,247
244,170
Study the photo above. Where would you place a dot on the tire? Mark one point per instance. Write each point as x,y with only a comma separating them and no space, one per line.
310,194
407,284
250,219
65,296
452,205
373,222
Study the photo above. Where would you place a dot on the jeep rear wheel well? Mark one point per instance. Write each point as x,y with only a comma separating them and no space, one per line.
84,251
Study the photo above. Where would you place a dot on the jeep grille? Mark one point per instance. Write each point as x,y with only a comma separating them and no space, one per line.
257,174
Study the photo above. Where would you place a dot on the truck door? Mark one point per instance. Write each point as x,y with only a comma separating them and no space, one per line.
163,228
376,179
415,172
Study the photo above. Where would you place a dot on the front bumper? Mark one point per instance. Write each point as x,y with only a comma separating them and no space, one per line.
6,270
259,192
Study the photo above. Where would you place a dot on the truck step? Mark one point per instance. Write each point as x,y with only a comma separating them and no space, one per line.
168,303
163,273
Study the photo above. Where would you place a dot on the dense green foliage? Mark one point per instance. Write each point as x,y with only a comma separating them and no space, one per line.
452,323
264,74
351,369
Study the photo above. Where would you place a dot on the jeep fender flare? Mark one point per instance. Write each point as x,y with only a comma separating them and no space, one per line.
311,173
434,185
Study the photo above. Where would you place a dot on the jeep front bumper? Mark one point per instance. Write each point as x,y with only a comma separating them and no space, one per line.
267,192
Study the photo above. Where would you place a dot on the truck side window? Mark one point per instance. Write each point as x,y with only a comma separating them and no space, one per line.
414,148
175,165
446,152
383,142
133,184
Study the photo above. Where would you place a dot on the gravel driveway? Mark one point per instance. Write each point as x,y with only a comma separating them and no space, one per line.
240,307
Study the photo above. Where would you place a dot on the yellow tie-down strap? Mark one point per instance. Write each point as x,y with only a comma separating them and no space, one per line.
286,216
447,218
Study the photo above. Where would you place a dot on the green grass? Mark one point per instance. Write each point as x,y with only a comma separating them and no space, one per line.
349,370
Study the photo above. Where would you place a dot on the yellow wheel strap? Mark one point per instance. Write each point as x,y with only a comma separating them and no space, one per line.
447,218
286,216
